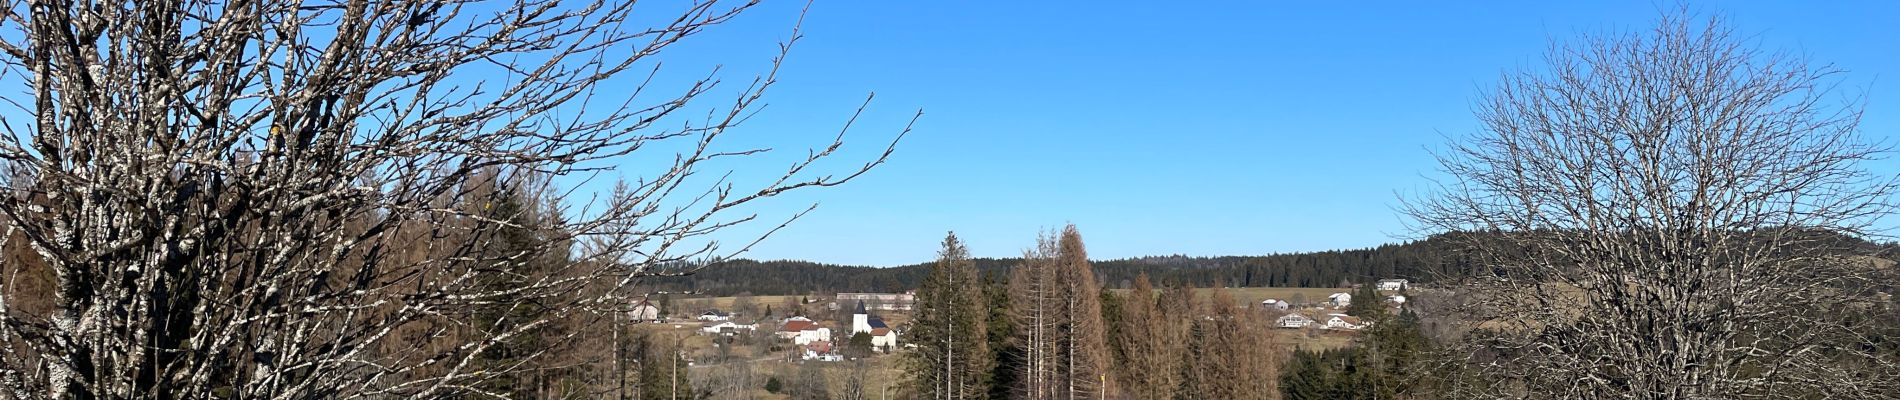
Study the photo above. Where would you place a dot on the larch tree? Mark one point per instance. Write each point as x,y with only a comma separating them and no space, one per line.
1233,354
1083,338
1059,320
1033,300
952,359
1675,214
259,199
1150,346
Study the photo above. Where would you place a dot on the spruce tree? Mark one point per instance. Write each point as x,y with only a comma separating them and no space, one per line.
1367,304
952,357
517,249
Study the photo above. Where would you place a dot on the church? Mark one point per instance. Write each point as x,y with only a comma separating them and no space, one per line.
882,337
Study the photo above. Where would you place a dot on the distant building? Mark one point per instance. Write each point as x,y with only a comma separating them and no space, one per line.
802,331
880,301
1340,299
1397,299
1393,284
643,311
1294,320
727,328
714,315
882,337
1273,304
821,351
1341,322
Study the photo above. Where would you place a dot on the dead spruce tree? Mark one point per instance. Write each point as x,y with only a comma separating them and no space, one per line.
269,199
1058,314
1668,214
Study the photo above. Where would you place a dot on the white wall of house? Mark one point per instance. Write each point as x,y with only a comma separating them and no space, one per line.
812,335
644,313
1293,321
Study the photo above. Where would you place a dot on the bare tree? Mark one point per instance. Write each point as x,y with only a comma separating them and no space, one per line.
1058,314
1152,342
270,199
1671,213
1032,299
1233,355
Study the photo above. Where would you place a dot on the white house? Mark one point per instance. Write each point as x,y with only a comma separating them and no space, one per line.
727,327
1397,299
825,357
1341,321
1294,320
802,331
1340,299
714,315
821,351
1393,284
643,311
882,337
1273,304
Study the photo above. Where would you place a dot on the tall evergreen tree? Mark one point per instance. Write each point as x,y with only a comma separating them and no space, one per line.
952,360
664,373
1005,350
1367,304
518,248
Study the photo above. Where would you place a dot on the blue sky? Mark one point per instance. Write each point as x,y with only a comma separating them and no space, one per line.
1218,128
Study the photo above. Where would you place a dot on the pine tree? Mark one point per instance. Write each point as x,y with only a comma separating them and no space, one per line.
952,360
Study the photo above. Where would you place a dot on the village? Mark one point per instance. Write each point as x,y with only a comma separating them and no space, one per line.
848,326
855,326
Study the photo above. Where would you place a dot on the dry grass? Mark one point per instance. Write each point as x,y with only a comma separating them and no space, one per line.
1253,295
1300,339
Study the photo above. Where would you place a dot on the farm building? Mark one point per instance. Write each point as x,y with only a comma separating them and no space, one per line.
1294,320
643,311
1340,299
879,301
1341,321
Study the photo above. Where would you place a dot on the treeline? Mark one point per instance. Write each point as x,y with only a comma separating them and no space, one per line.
1420,261
1048,331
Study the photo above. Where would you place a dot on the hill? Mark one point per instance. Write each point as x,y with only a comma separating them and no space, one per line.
1417,260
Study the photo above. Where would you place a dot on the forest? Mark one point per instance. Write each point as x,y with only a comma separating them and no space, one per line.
1424,261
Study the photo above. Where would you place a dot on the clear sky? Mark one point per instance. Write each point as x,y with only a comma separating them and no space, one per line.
1158,128
1200,128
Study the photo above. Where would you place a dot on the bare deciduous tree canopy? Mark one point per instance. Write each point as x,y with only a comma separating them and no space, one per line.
300,199
1662,214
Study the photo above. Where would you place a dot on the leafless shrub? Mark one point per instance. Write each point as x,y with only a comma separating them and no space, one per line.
298,199
1668,214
